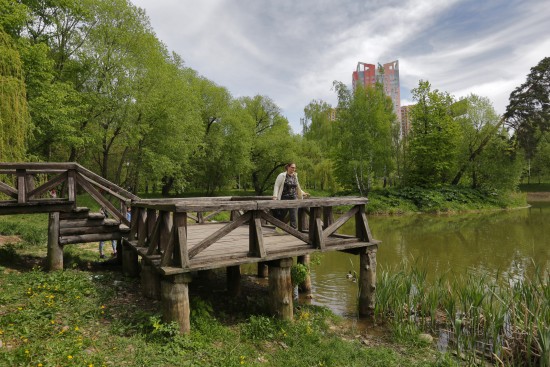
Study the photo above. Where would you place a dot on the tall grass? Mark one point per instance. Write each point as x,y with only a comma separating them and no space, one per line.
506,321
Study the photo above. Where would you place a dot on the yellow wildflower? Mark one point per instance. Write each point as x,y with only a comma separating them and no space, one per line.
69,357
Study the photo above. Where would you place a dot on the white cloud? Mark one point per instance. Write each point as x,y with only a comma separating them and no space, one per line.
292,50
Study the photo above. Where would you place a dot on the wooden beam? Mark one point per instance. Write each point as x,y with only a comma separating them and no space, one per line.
48,185
8,190
340,222
218,234
154,236
256,241
106,189
101,199
285,227
85,172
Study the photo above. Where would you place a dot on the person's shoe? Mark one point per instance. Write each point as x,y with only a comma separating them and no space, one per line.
113,254
102,256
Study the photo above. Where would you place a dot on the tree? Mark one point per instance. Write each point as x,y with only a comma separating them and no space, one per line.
273,145
224,154
14,115
434,139
364,136
479,124
528,112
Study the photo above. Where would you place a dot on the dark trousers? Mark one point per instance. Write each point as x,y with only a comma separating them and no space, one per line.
281,213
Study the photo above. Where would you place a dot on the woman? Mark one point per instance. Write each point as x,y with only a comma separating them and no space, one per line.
287,187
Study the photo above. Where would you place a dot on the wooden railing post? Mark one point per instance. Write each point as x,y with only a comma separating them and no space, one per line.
362,230
165,229
71,185
328,216
142,227
302,220
21,186
316,228
255,235
181,252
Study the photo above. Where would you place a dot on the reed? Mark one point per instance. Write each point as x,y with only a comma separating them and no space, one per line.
502,319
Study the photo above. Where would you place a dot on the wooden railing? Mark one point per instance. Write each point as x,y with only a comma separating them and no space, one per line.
26,187
161,226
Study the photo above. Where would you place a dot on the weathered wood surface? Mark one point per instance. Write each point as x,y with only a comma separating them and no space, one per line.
234,247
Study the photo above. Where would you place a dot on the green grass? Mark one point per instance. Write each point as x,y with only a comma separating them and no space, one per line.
88,316
442,200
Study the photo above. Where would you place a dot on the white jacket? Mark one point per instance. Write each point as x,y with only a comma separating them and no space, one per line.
280,183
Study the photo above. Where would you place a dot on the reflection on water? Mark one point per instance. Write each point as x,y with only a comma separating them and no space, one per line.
500,243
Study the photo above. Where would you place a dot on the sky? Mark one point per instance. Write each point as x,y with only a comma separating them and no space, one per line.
293,50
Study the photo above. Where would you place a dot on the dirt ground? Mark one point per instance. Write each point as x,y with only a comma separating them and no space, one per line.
9,239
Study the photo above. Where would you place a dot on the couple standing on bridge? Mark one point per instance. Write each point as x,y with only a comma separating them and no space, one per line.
287,187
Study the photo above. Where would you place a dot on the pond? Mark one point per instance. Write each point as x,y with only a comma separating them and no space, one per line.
498,243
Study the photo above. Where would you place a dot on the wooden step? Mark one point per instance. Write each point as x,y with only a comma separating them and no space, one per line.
78,213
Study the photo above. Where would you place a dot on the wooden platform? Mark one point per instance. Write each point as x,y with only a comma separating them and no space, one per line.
233,248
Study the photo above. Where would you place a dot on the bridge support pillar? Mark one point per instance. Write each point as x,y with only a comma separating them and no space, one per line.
55,250
130,264
175,300
234,280
305,286
280,288
367,280
150,281
263,270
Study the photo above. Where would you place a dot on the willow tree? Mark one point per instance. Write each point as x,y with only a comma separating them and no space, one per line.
14,114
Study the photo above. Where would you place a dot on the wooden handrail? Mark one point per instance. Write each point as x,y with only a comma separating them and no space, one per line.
319,235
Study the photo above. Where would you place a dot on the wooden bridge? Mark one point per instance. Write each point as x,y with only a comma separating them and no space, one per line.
174,239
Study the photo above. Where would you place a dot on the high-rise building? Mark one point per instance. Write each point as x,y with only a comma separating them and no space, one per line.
387,75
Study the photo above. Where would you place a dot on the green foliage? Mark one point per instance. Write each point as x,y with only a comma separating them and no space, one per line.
364,141
444,199
298,273
434,138
14,115
528,112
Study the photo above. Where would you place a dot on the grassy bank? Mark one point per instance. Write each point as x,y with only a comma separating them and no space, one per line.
442,200
90,315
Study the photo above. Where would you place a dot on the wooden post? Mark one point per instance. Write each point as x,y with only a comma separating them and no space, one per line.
280,288
55,250
175,300
367,280
328,216
165,230
142,227
302,220
151,220
305,286
234,280
316,228
71,186
21,186
362,230
263,270
130,264
150,281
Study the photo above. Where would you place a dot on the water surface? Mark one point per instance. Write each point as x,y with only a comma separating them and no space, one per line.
496,243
